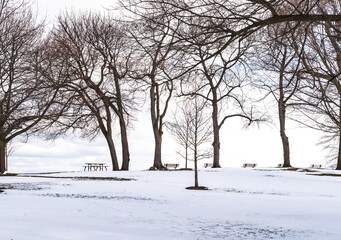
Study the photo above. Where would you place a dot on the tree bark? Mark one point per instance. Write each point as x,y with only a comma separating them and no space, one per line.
216,137
186,154
196,182
157,124
2,157
285,139
157,150
113,155
123,128
338,164
125,147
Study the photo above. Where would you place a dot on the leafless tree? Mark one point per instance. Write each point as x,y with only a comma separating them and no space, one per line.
162,60
278,63
232,20
217,26
179,128
322,67
220,81
200,132
26,99
96,56
192,128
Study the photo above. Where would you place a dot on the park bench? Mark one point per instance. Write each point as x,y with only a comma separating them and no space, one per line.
171,165
252,165
316,166
206,165
95,167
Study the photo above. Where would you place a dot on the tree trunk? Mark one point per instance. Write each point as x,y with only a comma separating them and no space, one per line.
157,150
157,125
2,156
123,128
113,155
216,138
125,147
285,139
196,183
186,154
338,164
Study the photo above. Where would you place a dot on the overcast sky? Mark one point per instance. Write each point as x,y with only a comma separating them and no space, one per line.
261,145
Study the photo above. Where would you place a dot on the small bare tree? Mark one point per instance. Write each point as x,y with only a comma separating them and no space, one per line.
200,133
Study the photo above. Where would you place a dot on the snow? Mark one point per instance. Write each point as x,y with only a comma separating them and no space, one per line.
241,204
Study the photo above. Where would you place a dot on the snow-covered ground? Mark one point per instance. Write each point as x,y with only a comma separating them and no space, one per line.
241,204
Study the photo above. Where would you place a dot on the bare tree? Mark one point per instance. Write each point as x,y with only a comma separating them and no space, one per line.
278,61
200,133
159,68
179,128
322,67
220,81
192,128
232,20
26,99
97,56
218,26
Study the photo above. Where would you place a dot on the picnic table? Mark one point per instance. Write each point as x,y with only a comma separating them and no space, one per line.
95,166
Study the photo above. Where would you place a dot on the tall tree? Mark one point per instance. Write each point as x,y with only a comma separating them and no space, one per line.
220,82
162,59
26,99
322,67
98,56
278,61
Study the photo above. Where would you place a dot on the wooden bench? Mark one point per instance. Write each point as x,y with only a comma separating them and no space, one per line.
171,165
206,165
252,165
316,166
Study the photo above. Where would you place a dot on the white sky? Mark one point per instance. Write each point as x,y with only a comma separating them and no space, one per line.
261,145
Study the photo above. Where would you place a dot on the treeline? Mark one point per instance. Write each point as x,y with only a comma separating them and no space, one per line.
91,71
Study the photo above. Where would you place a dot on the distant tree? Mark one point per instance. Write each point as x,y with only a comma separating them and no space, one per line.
179,127
26,99
97,56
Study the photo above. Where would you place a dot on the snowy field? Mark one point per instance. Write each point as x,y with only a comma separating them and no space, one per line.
241,204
